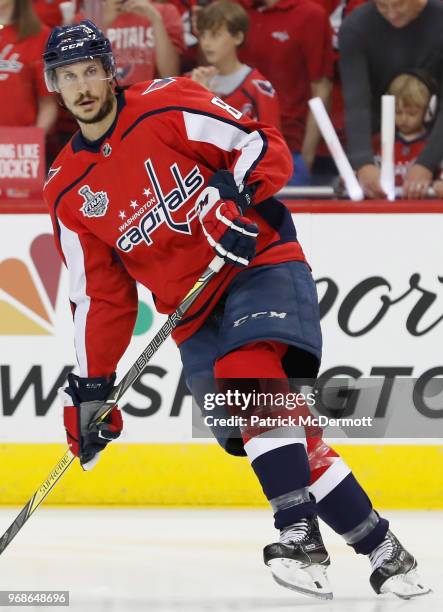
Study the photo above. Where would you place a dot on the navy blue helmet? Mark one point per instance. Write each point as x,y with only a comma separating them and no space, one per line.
75,43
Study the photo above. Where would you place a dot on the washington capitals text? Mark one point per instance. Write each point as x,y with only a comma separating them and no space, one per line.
165,205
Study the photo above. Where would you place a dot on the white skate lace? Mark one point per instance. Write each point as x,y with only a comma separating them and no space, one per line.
381,553
295,532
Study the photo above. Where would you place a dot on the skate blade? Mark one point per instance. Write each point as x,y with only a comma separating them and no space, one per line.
405,586
305,579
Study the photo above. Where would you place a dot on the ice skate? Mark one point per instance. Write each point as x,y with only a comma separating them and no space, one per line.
395,570
299,560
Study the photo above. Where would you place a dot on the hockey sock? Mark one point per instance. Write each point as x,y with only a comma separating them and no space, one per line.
340,500
277,454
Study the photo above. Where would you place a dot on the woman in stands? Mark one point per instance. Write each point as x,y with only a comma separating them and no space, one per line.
25,99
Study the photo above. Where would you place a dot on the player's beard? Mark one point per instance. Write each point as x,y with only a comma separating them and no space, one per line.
102,112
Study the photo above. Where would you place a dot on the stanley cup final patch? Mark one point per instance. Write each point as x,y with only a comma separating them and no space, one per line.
95,204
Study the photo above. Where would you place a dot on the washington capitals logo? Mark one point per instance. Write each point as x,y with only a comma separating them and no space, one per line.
265,87
9,65
164,208
95,204
106,149
158,84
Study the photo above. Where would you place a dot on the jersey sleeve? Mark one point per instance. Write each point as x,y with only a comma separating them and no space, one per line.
356,89
221,137
266,99
103,297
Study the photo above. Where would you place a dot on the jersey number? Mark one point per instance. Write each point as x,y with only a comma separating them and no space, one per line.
230,109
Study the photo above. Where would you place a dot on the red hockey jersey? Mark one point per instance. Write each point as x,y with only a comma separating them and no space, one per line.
21,76
256,98
290,43
406,154
123,210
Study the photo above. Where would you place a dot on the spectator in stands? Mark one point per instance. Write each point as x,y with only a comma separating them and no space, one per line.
289,41
25,99
92,10
222,28
147,38
186,8
377,41
324,170
415,109
48,11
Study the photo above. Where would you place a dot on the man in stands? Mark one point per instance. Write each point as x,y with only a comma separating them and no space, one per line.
378,41
289,41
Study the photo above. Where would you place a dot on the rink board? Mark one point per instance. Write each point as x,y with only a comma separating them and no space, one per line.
203,475
157,461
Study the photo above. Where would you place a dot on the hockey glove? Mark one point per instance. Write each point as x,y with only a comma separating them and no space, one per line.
82,405
221,207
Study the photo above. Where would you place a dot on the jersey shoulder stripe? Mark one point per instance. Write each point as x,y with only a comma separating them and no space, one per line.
183,109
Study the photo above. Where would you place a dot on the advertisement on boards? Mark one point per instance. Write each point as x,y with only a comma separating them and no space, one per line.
380,291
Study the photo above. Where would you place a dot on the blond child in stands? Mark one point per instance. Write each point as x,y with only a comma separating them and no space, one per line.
416,105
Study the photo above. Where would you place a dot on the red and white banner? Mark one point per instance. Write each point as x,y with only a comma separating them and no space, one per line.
22,162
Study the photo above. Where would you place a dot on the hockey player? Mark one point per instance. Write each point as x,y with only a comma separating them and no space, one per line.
222,29
157,178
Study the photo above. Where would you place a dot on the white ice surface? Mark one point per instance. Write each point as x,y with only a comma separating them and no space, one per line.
195,560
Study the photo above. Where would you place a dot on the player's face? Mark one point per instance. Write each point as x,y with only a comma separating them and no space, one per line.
409,119
399,12
85,89
219,44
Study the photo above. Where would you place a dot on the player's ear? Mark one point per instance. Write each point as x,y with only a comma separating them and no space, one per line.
239,38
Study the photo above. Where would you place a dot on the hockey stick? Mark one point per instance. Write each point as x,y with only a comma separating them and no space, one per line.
127,380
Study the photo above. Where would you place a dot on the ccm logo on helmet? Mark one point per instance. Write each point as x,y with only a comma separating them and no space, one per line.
73,46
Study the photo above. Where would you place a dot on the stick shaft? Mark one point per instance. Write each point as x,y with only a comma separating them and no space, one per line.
163,333
46,486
